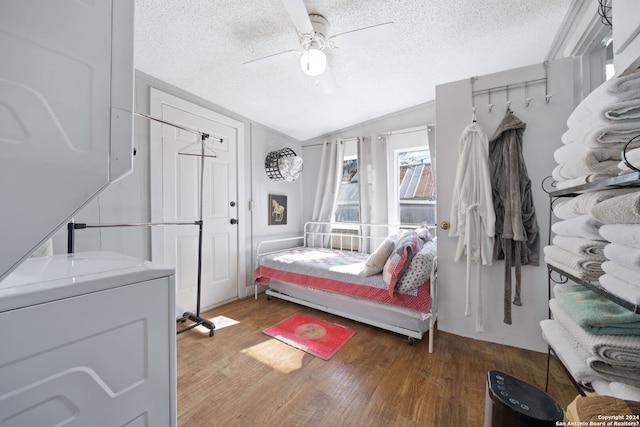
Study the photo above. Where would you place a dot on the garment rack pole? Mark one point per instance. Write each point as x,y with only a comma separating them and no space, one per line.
186,316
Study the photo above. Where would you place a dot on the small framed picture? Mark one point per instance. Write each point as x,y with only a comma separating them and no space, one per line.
277,209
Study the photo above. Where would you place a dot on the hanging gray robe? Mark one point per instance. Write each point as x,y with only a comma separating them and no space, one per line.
517,234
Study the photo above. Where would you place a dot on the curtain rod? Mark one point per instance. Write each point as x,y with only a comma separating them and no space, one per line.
327,142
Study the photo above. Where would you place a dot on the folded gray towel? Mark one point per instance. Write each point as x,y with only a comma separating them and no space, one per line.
623,209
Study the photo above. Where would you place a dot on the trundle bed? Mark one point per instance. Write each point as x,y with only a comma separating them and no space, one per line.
329,268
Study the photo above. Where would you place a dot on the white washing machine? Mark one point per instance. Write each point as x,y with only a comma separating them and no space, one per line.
87,339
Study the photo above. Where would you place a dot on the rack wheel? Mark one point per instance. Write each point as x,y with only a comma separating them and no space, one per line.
269,297
411,340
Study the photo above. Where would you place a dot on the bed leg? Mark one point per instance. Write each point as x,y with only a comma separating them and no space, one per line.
431,330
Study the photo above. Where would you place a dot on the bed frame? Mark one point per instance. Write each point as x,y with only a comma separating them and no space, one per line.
350,237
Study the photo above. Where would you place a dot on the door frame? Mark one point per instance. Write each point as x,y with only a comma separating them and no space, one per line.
156,99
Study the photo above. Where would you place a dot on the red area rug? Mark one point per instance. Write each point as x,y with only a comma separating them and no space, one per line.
315,336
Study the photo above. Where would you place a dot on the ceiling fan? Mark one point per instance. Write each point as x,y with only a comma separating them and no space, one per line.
313,31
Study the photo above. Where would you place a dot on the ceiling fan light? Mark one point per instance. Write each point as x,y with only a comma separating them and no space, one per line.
313,62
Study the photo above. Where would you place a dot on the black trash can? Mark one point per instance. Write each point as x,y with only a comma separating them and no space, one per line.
514,403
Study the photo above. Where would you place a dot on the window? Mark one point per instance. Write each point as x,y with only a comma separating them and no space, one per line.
412,190
348,203
416,193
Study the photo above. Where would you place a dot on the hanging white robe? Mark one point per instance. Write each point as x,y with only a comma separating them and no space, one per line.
472,212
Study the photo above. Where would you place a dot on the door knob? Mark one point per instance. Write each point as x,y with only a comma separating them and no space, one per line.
445,225
233,221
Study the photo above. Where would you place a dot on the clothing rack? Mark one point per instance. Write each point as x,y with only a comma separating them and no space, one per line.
196,318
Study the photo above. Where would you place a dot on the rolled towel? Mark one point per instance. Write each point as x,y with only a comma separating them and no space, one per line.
624,234
623,289
626,256
616,389
583,267
585,226
596,314
582,247
574,359
630,275
623,209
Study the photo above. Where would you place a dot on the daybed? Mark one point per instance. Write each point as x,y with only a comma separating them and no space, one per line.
332,269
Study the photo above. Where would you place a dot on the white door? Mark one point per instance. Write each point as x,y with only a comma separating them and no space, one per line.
175,181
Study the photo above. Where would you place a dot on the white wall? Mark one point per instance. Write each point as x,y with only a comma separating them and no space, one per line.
127,201
545,125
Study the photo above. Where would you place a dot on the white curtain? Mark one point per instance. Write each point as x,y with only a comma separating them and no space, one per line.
372,171
329,177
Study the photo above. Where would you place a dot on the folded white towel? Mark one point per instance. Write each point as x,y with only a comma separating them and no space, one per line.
624,234
630,275
598,135
624,255
621,288
585,165
574,359
585,226
609,93
616,389
571,152
624,110
623,209
580,246
614,135
563,208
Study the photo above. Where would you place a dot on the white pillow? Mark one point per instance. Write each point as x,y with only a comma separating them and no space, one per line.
378,258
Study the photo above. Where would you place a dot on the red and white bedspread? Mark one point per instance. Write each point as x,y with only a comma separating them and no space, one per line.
336,271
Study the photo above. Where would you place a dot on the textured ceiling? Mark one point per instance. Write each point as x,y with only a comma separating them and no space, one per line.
200,46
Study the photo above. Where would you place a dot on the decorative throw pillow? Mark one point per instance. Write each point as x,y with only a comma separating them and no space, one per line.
378,258
423,233
400,259
419,270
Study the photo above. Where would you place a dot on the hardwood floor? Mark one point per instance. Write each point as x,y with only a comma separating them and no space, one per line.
241,377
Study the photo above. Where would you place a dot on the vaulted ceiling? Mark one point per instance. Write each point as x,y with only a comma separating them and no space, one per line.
201,45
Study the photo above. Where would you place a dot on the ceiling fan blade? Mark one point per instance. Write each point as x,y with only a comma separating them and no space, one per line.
299,15
375,34
271,59
328,81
